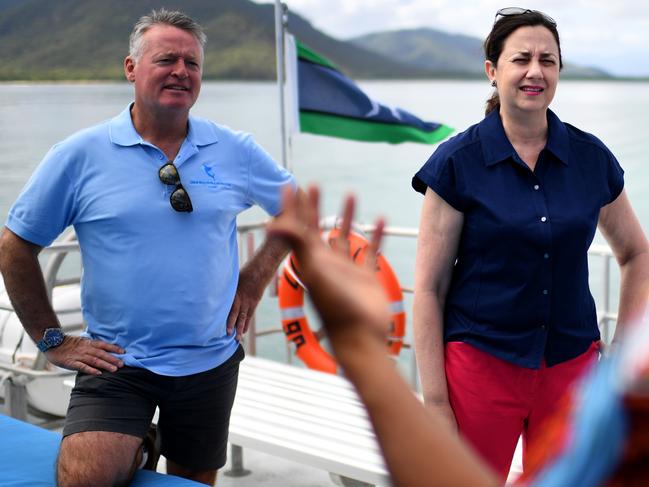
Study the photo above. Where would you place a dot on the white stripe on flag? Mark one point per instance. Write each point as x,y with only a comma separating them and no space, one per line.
292,97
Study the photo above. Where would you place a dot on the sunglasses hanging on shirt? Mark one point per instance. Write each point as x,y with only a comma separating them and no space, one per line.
179,198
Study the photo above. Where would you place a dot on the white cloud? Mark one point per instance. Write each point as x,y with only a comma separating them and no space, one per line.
613,35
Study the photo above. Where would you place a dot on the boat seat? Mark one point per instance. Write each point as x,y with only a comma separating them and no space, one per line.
28,455
306,416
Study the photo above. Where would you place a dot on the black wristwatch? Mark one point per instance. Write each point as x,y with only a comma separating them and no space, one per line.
52,338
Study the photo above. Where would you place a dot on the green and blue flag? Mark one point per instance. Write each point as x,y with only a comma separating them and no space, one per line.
330,103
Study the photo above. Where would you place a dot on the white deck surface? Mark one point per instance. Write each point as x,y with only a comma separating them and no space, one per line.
305,416
271,471
267,470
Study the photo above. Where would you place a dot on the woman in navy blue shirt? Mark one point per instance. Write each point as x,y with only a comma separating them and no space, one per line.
504,319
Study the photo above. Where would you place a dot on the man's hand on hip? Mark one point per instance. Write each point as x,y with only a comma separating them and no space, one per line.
85,355
248,295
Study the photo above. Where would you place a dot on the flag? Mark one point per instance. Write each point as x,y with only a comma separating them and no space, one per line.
329,103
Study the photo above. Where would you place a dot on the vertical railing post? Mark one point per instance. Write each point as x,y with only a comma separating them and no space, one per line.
252,330
16,398
281,75
606,298
236,463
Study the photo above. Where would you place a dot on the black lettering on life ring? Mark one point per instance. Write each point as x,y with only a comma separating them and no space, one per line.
294,328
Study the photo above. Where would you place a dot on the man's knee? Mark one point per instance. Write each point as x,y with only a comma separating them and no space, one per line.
97,458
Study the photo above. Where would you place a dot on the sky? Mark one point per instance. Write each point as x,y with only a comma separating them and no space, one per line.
609,34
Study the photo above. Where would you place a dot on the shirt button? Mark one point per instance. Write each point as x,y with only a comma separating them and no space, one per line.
544,219
536,187
546,256
545,291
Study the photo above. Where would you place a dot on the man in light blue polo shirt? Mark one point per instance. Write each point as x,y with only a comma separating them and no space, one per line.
153,196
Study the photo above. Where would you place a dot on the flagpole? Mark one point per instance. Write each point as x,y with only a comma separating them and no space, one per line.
281,75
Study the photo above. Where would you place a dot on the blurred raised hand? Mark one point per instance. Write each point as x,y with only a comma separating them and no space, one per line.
418,447
349,298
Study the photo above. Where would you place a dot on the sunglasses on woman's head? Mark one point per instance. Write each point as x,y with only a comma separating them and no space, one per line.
511,11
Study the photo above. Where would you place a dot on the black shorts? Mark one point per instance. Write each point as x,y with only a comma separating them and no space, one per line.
194,409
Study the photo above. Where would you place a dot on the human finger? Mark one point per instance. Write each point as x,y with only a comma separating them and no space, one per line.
232,316
246,326
288,200
291,222
347,216
242,319
313,205
287,216
372,251
301,213
83,367
341,241
99,363
109,347
107,356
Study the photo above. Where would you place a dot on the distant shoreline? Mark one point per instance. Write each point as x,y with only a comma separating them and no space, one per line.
89,81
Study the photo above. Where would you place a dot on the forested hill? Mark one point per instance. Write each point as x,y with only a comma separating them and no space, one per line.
88,39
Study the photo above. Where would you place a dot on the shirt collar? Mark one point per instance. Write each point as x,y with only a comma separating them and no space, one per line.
122,132
497,148
558,139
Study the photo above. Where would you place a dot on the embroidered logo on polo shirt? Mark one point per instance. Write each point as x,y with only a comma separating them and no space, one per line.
209,170
211,183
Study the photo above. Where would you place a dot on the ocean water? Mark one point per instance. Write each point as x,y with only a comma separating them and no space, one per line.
35,116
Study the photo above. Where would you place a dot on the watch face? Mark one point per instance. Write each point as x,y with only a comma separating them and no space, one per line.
53,337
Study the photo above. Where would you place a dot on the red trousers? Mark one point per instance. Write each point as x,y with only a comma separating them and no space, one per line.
495,401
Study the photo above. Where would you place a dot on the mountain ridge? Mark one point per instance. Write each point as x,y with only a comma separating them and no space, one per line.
432,49
88,40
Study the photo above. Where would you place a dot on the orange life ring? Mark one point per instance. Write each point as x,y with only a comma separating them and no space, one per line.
294,320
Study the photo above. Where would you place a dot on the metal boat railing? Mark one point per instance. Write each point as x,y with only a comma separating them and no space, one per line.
606,316
15,377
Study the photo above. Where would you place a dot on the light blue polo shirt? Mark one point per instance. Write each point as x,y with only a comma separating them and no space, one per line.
156,282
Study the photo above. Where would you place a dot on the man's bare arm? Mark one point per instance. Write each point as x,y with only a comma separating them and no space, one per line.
26,289
253,279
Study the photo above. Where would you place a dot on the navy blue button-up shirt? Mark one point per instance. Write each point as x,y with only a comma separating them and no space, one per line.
519,288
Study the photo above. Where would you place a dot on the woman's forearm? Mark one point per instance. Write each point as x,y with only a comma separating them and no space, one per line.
429,346
634,291
420,450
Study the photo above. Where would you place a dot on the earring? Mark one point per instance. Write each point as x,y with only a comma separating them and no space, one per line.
493,83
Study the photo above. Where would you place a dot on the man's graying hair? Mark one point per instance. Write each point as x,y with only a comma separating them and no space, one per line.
173,18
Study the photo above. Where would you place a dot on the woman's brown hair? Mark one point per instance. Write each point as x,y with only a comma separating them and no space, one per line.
502,29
